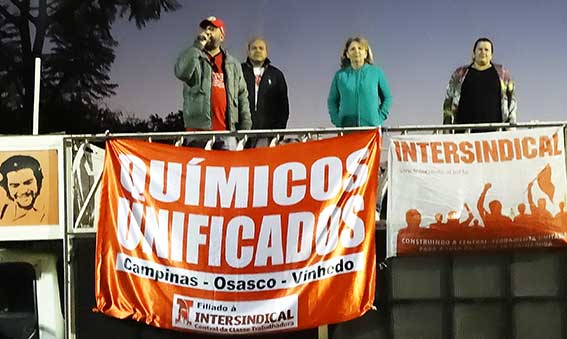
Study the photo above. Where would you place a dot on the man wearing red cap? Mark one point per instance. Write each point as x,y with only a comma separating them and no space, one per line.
214,91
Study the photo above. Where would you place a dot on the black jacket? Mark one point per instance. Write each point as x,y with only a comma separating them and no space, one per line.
272,109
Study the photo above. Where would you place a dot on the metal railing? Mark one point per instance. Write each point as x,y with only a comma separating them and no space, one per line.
79,150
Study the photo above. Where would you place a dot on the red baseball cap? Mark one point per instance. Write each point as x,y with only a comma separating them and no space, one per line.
214,21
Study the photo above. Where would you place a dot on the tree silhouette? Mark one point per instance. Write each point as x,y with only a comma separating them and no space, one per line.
173,122
74,40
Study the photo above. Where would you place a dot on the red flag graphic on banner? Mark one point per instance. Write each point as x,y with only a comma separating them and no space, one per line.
544,182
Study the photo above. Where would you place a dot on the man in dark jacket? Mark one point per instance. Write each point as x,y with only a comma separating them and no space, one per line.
267,89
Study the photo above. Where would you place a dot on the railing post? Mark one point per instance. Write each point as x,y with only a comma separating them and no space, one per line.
37,79
323,332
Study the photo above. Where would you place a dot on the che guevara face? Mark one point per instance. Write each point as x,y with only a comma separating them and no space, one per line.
22,187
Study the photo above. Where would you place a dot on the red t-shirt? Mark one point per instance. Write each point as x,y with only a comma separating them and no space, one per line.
218,94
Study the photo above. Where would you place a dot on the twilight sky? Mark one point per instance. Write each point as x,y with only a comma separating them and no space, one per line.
417,43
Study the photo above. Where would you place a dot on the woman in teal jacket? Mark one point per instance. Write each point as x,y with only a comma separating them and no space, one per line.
359,94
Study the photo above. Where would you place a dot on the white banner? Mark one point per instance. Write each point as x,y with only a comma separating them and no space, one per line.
470,192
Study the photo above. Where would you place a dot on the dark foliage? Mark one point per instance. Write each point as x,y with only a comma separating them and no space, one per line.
73,39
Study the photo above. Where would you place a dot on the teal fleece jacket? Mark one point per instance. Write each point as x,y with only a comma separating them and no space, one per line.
359,97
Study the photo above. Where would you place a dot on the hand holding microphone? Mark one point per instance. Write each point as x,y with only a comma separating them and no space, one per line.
203,38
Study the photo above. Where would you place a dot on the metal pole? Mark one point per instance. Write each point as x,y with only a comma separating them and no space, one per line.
36,96
323,332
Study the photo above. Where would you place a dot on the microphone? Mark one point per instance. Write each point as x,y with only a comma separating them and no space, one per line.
203,37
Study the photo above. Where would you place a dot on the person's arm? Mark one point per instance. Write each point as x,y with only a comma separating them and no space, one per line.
480,204
283,117
244,116
531,198
333,101
188,61
470,216
385,97
448,108
512,102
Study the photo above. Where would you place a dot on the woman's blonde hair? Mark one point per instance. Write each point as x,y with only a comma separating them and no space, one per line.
345,62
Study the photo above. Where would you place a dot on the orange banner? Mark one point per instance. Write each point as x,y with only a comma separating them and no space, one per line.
267,239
